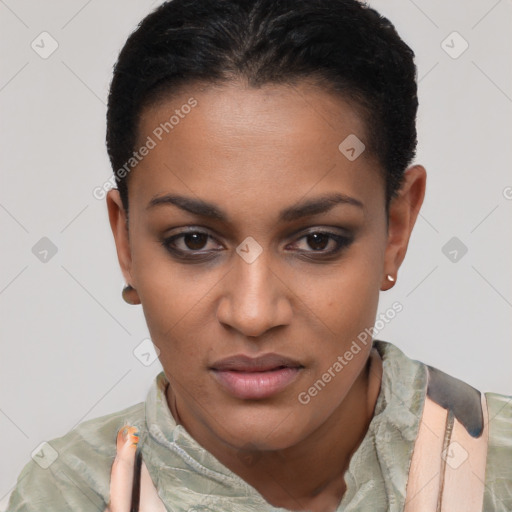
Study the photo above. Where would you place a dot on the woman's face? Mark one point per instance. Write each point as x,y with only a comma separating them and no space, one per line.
286,252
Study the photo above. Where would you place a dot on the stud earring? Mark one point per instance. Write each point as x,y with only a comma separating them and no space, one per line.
130,295
390,282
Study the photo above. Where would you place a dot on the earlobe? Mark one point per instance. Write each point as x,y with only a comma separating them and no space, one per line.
403,212
118,223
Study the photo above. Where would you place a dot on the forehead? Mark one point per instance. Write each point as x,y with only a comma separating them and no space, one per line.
247,114
231,141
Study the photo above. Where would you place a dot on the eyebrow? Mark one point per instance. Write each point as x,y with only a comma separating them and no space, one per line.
210,210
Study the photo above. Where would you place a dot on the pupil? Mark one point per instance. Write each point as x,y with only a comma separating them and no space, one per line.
316,237
198,240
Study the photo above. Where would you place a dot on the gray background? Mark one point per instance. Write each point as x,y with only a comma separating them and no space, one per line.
68,339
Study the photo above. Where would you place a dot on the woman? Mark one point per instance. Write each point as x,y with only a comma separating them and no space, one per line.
261,151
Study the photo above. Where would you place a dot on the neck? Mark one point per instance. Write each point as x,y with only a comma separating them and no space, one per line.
309,475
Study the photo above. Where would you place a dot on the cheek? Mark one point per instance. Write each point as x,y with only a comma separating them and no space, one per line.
167,299
346,302
347,297
350,302
169,292
178,313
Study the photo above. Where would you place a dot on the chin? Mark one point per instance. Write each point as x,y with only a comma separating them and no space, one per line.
264,428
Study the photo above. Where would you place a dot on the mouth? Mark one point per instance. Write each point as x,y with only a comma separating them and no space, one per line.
255,378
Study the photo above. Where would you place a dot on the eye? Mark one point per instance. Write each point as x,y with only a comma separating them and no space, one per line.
187,242
193,244
323,243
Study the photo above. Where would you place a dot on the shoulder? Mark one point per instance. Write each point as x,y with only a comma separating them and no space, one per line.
72,472
498,477
464,401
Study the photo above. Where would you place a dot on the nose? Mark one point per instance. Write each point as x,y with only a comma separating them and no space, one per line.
255,297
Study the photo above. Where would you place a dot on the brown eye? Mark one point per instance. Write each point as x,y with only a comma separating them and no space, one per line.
320,244
318,241
191,244
195,241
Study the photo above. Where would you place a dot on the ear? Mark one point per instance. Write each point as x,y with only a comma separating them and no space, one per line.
118,223
403,211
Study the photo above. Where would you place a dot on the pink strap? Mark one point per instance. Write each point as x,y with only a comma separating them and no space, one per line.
447,472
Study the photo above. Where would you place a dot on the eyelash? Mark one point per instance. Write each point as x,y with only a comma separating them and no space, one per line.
341,242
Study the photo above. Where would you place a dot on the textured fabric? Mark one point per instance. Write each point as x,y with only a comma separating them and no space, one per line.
189,478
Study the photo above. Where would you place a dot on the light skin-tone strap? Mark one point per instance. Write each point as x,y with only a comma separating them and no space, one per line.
464,479
424,482
447,472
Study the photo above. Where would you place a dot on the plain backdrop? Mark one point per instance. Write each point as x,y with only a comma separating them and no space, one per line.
69,343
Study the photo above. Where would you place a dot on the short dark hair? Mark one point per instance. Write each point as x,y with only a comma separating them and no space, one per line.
343,45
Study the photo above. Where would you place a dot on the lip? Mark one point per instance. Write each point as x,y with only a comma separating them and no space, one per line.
247,378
